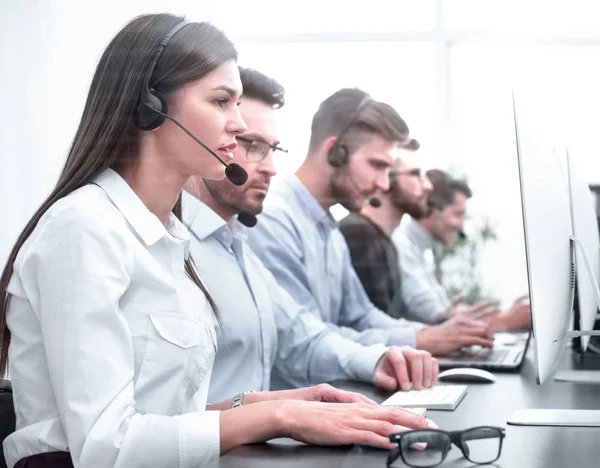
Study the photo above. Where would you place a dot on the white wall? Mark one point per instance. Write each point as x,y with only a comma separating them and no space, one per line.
48,54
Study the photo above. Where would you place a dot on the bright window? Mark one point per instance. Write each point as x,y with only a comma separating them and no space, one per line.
261,17
401,74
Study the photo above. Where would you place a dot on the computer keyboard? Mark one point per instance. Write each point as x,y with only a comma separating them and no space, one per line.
484,355
440,397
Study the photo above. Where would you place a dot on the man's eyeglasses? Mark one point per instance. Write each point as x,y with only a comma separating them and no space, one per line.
420,174
424,448
257,150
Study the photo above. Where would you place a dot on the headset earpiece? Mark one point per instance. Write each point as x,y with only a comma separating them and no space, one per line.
337,155
146,117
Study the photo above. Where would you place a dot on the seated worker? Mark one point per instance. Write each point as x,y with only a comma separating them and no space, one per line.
423,295
262,328
353,139
368,232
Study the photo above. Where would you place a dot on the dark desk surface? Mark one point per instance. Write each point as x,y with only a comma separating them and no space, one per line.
484,404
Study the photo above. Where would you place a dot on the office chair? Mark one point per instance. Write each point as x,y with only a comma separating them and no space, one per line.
7,416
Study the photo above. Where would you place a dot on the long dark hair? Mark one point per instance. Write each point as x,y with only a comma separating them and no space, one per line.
107,136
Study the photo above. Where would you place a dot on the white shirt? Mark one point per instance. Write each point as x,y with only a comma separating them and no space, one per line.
422,293
266,340
112,344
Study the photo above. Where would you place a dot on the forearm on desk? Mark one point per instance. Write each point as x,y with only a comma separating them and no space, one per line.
392,336
252,398
251,423
333,358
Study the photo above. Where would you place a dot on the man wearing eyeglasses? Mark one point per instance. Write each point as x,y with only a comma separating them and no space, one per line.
368,232
264,336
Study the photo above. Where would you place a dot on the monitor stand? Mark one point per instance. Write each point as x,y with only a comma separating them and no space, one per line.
582,376
567,417
579,376
555,417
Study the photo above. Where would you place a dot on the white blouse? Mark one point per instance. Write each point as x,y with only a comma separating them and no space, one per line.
112,344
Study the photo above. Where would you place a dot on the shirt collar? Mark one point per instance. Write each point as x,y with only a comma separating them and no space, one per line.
313,209
203,222
239,231
142,220
421,237
199,217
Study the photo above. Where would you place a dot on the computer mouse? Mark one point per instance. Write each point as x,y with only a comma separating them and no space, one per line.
466,374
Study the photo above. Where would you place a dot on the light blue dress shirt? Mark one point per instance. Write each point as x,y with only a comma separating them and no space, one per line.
300,243
265,339
425,298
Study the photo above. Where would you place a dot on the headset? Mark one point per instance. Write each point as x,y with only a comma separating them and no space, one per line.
338,154
152,110
153,103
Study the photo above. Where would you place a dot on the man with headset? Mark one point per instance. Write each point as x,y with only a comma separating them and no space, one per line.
352,145
422,293
264,336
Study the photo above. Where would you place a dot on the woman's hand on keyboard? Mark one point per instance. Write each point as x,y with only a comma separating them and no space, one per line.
355,423
403,366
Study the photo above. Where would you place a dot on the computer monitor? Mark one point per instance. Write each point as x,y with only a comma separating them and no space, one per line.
545,203
554,255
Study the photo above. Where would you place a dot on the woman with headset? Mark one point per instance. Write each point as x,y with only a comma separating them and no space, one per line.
107,327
